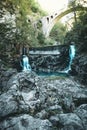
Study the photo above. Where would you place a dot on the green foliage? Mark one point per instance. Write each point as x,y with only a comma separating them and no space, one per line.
39,25
78,33
34,7
25,35
58,32
43,41
41,38
49,41
5,33
22,32
74,3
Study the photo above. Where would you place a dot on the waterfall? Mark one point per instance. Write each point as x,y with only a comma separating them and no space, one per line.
25,63
50,59
71,57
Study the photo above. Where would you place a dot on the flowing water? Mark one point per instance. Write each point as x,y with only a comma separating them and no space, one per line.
27,67
71,57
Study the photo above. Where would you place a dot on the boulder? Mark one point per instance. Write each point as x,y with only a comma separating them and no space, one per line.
34,102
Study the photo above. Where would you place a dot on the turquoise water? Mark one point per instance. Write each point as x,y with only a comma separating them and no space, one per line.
27,67
52,74
66,71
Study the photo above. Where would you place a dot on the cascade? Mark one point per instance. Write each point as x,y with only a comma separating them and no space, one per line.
49,60
71,57
25,63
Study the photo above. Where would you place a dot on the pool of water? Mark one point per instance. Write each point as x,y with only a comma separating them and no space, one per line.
52,74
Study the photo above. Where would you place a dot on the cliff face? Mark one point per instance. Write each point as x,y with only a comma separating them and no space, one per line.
30,102
79,68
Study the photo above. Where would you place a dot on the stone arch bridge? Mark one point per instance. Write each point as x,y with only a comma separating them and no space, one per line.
49,21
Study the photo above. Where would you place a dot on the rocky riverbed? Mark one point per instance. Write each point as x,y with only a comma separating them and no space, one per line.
31,102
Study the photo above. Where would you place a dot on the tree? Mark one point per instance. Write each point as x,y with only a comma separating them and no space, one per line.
23,31
78,33
58,32
72,3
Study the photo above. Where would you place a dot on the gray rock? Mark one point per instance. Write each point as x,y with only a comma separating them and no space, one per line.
25,122
8,105
53,110
55,121
80,67
70,122
4,78
81,111
45,99
42,115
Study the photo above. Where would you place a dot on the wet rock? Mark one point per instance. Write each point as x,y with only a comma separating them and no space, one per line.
42,103
25,122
